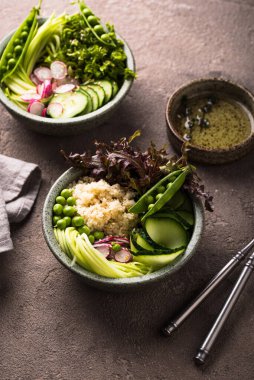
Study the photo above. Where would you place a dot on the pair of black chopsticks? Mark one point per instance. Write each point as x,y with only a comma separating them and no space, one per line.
206,346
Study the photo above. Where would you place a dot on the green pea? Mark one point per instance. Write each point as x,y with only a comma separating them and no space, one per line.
58,209
150,206
84,230
169,185
161,189
66,193
69,210
116,247
29,21
3,69
172,179
18,50
158,196
25,28
87,12
105,37
77,221
67,221
24,35
11,63
91,238
149,199
71,201
61,200
17,41
61,224
98,235
55,219
9,55
93,20
98,29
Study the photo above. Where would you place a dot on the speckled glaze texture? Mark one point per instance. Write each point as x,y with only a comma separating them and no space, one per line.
107,283
70,126
206,87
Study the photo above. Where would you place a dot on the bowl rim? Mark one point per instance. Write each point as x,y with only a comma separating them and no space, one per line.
96,280
68,121
199,148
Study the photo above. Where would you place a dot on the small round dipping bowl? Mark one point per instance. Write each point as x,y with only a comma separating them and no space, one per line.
112,284
206,88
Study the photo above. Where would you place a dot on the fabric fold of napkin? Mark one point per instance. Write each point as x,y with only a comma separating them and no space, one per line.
19,186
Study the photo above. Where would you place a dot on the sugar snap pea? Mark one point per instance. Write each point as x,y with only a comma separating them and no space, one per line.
141,205
94,25
168,194
16,47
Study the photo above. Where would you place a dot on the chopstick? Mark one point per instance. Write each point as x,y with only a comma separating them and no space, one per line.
216,280
205,348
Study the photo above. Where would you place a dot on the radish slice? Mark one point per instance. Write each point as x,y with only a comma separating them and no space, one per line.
64,88
123,256
43,73
44,112
30,96
34,79
46,89
36,108
39,89
104,249
58,70
55,110
66,80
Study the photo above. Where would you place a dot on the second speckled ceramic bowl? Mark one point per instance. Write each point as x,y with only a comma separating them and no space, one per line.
208,87
104,282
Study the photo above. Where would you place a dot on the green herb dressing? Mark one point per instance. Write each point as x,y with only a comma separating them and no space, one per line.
225,124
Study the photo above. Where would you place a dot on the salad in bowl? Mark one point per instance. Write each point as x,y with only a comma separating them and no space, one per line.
124,215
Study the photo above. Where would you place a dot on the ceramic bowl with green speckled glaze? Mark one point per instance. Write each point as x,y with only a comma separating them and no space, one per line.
204,88
70,126
110,283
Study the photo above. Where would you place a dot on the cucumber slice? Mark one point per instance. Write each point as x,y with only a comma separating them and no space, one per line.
188,217
73,103
107,87
89,107
143,243
187,204
166,232
132,246
158,261
93,95
99,91
115,88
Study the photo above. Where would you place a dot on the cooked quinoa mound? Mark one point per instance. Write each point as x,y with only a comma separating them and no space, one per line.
104,207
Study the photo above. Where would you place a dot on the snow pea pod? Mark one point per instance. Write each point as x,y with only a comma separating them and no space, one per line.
168,194
141,205
94,25
16,47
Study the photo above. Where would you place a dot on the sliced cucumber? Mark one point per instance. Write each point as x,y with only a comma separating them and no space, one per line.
188,217
99,91
166,232
89,107
158,261
132,246
187,204
73,103
143,243
93,95
115,88
107,87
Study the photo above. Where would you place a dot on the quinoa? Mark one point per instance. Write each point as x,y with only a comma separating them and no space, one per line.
104,207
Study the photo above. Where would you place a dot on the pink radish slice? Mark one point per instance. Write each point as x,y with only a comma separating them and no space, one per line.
30,96
36,108
34,79
55,110
66,80
58,70
46,89
39,89
64,88
104,249
123,256
44,112
42,73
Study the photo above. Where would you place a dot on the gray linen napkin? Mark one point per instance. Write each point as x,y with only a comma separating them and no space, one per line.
19,186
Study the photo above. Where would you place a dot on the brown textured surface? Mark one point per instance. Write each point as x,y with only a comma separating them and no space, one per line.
54,327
